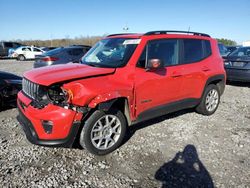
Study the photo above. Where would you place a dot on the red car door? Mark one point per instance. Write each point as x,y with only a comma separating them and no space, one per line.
162,86
195,64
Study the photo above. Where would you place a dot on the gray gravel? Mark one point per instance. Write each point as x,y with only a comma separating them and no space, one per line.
183,149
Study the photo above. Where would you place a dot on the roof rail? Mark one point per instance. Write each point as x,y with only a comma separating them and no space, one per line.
172,31
120,34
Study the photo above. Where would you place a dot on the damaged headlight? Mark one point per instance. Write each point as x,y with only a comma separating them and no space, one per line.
59,95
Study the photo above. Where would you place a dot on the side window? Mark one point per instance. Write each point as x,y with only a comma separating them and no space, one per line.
75,52
166,50
142,60
207,48
36,50
193,50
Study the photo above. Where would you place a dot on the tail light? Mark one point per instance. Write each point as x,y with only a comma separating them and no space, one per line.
50,59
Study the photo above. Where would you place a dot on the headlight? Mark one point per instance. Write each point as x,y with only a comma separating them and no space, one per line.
58,95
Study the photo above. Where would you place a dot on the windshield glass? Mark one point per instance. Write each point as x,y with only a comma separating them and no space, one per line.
54,51
112,52
244,51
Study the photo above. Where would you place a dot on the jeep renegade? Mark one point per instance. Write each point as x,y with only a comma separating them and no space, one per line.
122,80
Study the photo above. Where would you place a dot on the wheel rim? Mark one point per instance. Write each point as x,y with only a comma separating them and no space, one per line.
212,100
106,132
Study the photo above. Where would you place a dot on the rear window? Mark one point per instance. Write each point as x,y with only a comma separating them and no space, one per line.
195,50
8,45
53,52
76,51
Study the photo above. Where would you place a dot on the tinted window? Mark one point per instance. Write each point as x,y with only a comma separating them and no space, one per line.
193,50
142,59
8,45
207,49
26,49
36,50
166,50
54,52
75,51
243,51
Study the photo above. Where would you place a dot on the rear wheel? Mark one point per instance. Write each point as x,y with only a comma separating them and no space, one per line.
21,57
210,100
103,132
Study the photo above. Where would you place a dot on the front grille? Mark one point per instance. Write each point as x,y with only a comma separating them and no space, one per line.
31,89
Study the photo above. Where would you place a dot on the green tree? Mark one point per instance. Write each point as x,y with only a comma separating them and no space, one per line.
227,42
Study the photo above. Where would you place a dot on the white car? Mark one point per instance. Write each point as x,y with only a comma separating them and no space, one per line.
26,52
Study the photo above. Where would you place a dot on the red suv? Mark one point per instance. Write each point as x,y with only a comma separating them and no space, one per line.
122,80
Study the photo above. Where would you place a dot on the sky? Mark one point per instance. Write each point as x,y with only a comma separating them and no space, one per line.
50,19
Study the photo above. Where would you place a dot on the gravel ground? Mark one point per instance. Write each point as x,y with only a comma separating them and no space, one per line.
182,149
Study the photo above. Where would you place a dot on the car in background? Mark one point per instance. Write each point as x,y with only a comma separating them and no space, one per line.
237,65
230,49
223,50
10,84
26,52
61,55
47,48
6,46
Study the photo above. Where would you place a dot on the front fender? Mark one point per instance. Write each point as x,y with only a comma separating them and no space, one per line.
104,97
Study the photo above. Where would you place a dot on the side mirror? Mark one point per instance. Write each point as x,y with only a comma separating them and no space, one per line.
154,64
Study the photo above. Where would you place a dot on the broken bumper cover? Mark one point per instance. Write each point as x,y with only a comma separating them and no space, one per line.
65,124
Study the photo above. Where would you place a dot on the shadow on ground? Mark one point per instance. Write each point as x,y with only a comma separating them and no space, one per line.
184,170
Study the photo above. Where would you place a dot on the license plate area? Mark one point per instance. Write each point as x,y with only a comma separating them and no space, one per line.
238,64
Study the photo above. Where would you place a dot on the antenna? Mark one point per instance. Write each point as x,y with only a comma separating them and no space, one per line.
188,29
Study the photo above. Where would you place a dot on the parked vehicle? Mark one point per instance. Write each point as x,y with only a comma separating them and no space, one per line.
124,79
47,48
223,50
6,46
237,65
230,49
26,52
61,55
10,84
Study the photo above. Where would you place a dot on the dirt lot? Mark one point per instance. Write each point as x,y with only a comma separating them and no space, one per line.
183,149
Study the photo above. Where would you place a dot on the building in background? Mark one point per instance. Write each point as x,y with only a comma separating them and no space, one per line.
246,43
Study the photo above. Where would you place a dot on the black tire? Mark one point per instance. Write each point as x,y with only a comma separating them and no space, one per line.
85,135
21,57
202,107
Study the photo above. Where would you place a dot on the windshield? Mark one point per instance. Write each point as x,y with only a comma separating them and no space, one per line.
241,52
54,51
112,52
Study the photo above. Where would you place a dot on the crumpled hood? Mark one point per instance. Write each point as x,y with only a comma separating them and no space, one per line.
59,73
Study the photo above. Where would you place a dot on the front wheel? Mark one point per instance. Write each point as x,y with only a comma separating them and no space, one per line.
103,132
210,100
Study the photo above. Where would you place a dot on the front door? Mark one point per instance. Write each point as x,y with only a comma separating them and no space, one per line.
162,86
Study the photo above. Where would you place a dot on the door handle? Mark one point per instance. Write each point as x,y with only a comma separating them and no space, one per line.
176,74
205,69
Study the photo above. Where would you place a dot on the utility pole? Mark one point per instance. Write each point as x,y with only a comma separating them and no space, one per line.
125,28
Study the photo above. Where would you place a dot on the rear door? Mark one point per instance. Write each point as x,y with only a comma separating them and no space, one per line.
27,52
196,64
159,87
